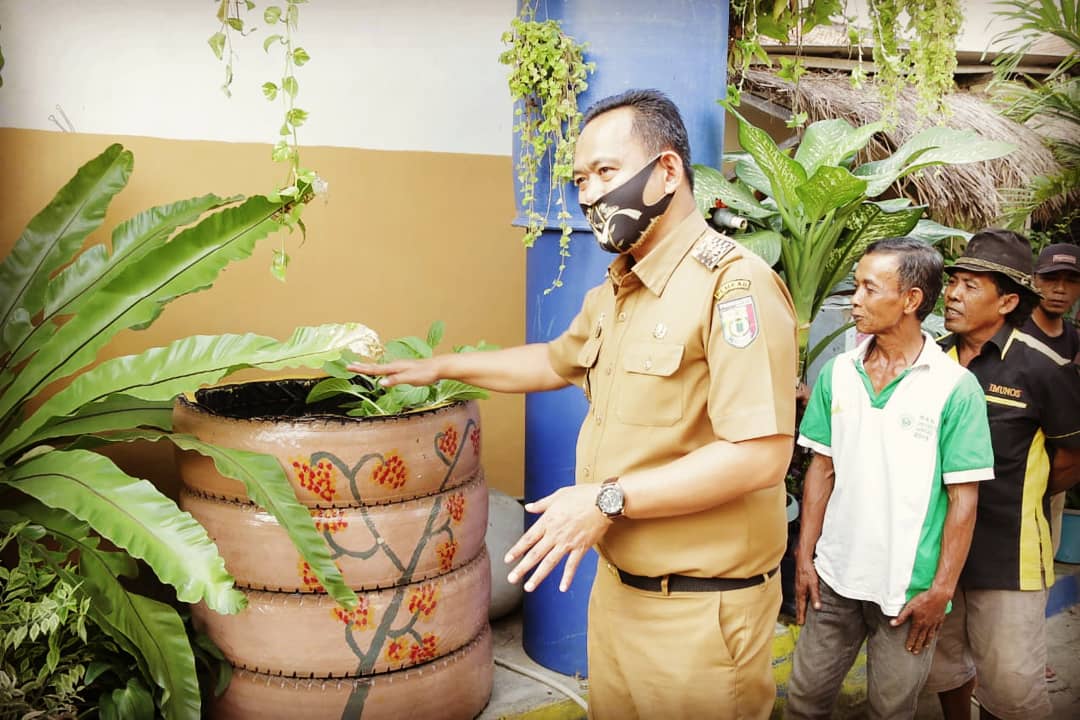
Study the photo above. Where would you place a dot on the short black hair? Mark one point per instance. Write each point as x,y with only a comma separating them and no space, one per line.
656,121
1028,300
920,266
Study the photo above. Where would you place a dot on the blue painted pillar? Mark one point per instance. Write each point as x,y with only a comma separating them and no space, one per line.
680,48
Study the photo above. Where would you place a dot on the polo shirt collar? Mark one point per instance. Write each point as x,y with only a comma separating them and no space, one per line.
656,268
927,356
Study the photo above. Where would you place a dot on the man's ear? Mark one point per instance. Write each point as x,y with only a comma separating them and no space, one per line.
672,167
912,301
1007,303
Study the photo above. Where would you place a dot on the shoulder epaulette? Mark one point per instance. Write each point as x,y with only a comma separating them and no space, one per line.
711,249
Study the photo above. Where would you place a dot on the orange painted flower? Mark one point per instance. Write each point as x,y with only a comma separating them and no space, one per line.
455,505
425,650
329,520
446,552
356,619
391,471
448,441
307,577
474,437
424,599
398,649
317,479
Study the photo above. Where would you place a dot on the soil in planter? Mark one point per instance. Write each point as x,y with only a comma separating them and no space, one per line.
271,400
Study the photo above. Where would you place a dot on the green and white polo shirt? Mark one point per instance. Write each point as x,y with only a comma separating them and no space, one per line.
893,452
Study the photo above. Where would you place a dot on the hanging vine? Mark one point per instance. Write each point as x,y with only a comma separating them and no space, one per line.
282,21
928,62
548,73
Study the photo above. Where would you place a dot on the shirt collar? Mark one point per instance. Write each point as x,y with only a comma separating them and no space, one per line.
656,268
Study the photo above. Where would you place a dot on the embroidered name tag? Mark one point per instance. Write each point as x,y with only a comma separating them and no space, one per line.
731,286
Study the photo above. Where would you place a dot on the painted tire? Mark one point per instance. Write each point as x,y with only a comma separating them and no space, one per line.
338,461
454,687
310,635
373,546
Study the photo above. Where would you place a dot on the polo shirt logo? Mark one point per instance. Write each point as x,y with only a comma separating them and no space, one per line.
738,321
1005,390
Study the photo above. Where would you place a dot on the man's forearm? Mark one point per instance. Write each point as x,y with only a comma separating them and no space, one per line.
817,489
956,536
710,476
524,368
1064,471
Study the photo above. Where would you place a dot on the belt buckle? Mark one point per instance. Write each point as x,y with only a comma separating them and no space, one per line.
664,584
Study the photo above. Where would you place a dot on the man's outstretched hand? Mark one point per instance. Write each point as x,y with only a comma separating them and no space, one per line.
401,372
568,526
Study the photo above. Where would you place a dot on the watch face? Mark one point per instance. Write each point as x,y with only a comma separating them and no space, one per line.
610,500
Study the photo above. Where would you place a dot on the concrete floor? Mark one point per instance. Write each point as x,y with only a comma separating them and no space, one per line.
519,697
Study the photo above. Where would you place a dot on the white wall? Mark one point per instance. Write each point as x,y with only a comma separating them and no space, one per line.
385,74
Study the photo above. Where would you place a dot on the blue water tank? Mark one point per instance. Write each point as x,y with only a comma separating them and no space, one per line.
680,48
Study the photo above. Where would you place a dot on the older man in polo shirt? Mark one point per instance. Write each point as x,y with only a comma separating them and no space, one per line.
901,442
994,641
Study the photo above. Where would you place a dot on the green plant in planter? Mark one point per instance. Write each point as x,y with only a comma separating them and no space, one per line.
374,399
58,308
815,214
548,72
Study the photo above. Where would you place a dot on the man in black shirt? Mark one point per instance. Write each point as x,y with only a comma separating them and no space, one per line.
1057,276
996,631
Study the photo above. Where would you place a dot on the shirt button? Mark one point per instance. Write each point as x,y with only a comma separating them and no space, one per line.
586,472
607,370
599,419
647,364
622,317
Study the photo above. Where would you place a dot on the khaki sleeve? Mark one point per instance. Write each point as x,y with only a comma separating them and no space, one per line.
752,348
564,351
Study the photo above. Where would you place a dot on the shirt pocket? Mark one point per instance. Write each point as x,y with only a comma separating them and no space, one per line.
652,391
587,356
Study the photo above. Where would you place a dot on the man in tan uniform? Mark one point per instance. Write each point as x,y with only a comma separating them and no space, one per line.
687,354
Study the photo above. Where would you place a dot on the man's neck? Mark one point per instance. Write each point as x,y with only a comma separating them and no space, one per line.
681,206
970,344
1050,324
901,345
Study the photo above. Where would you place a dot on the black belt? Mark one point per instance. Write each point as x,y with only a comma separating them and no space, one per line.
687,583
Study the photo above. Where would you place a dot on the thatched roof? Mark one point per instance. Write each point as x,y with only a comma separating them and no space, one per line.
961,195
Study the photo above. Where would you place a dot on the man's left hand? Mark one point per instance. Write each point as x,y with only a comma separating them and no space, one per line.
927,613
568,526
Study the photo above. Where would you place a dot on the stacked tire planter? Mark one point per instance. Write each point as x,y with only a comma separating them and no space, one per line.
402,504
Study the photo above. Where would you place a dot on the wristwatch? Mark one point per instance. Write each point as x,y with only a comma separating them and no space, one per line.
610,499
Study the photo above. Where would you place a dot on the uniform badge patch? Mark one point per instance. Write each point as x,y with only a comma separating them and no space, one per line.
711,250
738,321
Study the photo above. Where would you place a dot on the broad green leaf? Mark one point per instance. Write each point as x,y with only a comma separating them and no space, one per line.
150,630
69,291
217,44
55,234
191,362
290,86
748,172
448,391
131,702
300,56
831,142
272,14
932,233
763,243
410,396
830,188
331,387
710,184
435,333
784,173
270,41
133,515
190,262
115,412
269,90
406,348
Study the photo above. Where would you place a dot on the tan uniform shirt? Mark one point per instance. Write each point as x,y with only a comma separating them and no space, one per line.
697,342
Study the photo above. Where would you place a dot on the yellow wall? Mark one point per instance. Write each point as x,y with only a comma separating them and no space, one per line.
404,238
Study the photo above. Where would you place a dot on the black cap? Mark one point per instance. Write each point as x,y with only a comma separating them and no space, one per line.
1058,257
1000,251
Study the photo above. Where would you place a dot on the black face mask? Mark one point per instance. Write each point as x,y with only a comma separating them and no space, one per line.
620,219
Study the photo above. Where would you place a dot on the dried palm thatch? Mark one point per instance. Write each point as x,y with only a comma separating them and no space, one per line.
969,196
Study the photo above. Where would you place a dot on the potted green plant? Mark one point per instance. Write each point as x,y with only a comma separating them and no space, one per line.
59,307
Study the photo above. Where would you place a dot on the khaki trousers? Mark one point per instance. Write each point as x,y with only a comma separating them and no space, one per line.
682,655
